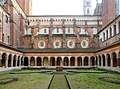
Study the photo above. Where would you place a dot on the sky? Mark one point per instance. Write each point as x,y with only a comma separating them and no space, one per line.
59,7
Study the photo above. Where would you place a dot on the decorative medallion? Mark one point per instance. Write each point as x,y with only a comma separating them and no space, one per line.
84,44
57,44
41,44
71,44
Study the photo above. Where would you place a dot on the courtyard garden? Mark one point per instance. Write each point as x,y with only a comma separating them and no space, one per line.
70,79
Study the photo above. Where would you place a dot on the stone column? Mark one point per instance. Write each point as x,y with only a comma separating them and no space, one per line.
35,61
106,62
12,62
69,61
98,62
6,63
41,61
75,61
48,61
82,61
20,61
28,61
16,63
111,65
101,61
64,39
89,61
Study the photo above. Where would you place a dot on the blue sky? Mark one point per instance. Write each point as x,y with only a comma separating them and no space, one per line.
59,7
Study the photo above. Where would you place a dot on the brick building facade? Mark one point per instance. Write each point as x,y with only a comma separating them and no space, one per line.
53,40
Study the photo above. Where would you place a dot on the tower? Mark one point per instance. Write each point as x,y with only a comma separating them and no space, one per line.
87,7
26,6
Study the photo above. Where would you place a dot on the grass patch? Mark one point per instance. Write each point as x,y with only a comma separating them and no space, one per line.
27,81
91,81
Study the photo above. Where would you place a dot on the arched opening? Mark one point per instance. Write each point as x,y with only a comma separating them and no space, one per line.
114,58
4,58
119,59
96,61
92,61
18,61
14,60
39,61
66,61
32,61
72,61
99,60
103,58
79,61
52,61
86,61
108,60
45,61
9,60
59,61
25,61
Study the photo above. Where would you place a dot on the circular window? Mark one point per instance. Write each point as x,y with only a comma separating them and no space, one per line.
41,44
57,44
84,44
70,44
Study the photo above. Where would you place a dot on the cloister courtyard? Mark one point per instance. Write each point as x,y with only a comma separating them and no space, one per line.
67,79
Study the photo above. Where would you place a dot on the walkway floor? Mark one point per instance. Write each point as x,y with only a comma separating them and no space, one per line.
4,69
59,82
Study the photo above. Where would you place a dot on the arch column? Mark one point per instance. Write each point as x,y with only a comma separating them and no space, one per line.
69,61
41,61
111,65
6,62
12,62
98,61
101,61
106,62
75,61
49,61
89,61
20,61
82,61
28,61
35,60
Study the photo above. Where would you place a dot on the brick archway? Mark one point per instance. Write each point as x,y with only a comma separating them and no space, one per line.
108,60
4,58
66,61
85,61
52,61
9,60
72,61
26,61
79,61
103,58
45,61
59,61
114,59
39,61
92,61
32,61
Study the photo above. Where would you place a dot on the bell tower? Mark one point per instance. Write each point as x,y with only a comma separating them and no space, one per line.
87,7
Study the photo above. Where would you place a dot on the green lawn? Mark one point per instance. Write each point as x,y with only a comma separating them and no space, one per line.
27,81
59,82
91,81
